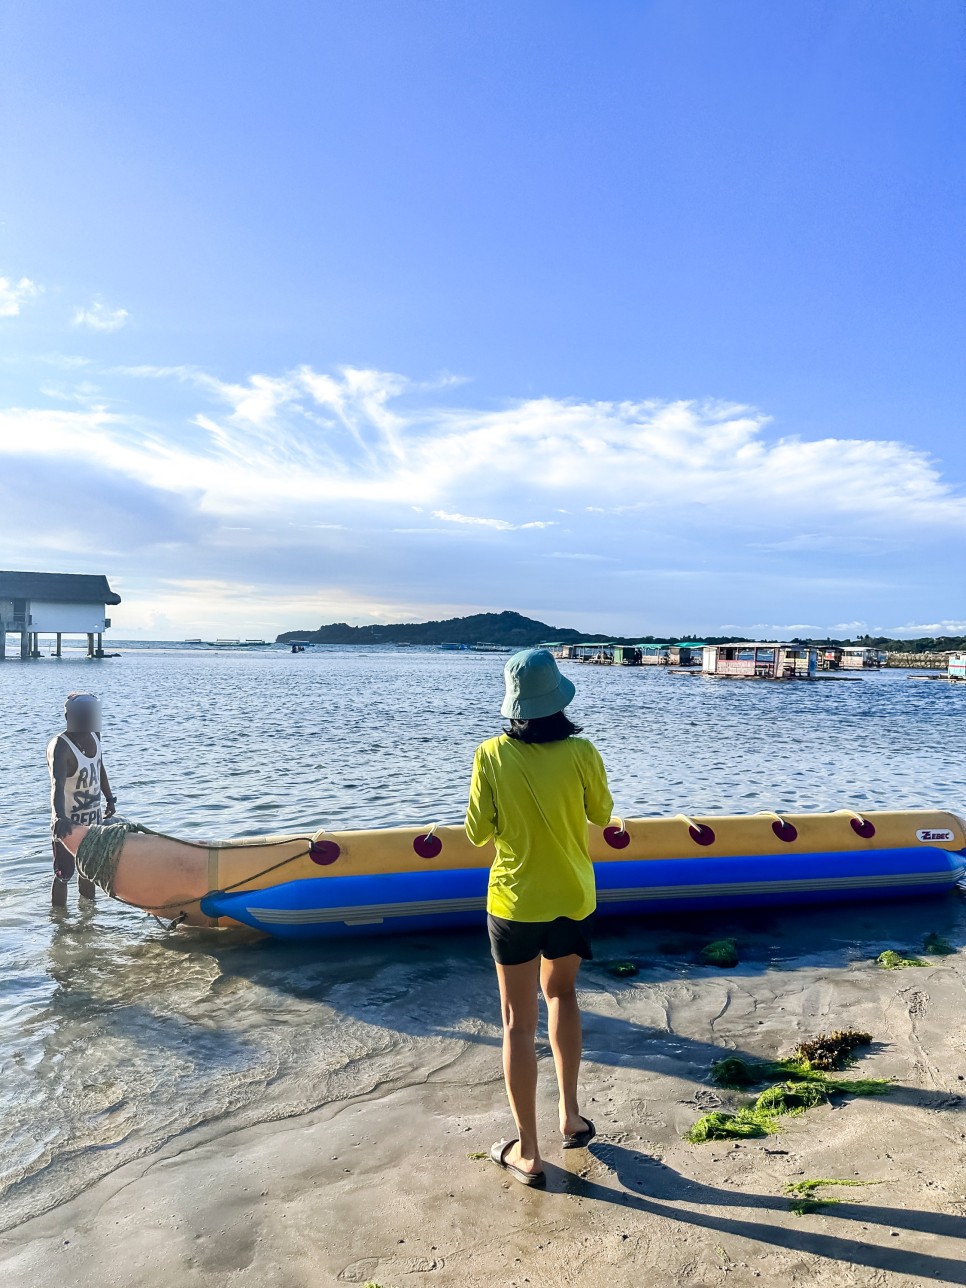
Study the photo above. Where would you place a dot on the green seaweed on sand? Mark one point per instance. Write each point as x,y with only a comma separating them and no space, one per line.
936,946
734,1072
781,1099
857,1086
830,1050
803,1198
891,960
797,1085
478,1154
810,1062
720,952
620,970
795,1096
791,1097
719,1125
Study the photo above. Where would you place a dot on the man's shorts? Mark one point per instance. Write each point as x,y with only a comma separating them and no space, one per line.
64,866
514,942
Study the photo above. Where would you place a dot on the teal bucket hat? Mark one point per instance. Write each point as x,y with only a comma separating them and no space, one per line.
534,686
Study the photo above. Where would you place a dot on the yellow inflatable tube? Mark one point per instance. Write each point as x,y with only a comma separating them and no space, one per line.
435,874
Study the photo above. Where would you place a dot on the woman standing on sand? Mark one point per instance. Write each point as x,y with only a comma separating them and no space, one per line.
534,787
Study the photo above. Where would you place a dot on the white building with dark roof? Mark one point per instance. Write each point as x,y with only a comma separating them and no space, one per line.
54,603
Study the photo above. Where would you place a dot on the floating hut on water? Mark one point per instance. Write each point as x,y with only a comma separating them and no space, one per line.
760,661
689,653
956,666
855,657
601,653
607,653
640,654
654,654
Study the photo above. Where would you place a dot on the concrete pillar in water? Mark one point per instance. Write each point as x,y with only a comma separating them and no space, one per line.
100,645
24,644
57,650
3,641
90,643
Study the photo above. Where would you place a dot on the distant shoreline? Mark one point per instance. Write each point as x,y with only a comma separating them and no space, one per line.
513,630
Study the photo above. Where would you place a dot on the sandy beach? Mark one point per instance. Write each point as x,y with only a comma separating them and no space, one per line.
382,1184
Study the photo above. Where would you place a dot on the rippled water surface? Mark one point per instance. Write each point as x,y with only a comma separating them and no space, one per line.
116,1035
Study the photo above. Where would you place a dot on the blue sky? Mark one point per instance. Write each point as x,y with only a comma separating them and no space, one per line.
639,317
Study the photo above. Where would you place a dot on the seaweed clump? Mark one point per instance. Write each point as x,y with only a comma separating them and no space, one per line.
936,946
808,1062
720,1125
732,1071
891,960
735,1073
803,1198
621,970
720,952
791,1097
831,1050
800,1083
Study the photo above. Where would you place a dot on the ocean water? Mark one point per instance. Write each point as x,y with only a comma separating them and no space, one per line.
117,1036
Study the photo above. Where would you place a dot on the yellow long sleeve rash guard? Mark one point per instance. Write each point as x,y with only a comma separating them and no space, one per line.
533,801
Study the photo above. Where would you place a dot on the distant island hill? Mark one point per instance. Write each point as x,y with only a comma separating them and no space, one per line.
514,631
507,629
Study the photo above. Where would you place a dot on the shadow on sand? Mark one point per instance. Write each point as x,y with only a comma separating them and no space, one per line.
650,1186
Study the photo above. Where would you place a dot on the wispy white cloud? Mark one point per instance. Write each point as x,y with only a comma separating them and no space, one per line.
681,504
306,436
98,316
15,294
582,556
951,626
845,629
502,525
826,541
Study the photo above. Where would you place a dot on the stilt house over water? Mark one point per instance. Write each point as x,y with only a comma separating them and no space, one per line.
609,654
856,657
760,661
54,603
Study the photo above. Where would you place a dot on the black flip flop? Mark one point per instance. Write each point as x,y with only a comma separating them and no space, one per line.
535,1180
581,1139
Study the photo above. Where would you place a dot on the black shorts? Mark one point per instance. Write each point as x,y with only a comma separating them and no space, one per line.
514,942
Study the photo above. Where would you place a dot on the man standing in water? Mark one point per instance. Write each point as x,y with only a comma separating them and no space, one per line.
77,780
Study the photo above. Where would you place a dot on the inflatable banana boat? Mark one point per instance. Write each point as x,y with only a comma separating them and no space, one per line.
405,879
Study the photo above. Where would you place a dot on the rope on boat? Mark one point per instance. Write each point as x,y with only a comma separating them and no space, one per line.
99,853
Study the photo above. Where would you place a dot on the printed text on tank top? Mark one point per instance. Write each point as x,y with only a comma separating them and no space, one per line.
82,789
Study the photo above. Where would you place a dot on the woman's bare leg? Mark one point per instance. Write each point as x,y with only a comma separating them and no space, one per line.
518,995
558,979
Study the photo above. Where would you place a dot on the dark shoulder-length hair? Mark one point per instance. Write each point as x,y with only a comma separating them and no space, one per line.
544,729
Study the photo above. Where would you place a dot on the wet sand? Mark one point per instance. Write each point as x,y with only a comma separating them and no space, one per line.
383,1187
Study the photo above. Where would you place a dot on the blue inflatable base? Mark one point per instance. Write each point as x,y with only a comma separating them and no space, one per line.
404,902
